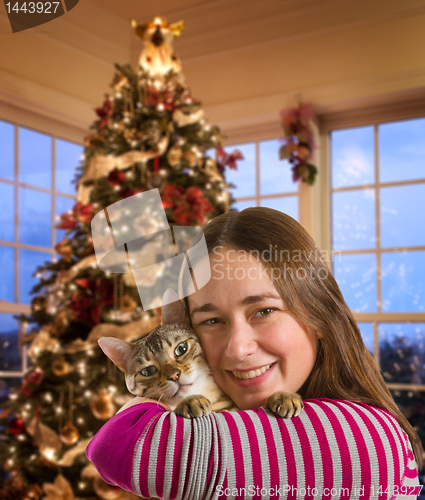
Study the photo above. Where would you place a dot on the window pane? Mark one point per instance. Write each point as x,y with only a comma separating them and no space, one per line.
244,177
402,352
356,277
403,282
352,157
275,174
402,221
402,150
7,212
288,205
35,158
62,205
241,205
67,160
366,330
7,281
28,262
411,404
7,148
353,219
35,218
10,356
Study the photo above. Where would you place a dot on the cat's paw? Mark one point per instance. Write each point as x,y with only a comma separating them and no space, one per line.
285,404
193,407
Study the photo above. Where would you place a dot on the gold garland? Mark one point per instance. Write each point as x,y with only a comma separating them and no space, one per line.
102,165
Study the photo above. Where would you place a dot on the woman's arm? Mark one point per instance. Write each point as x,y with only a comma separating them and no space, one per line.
333,448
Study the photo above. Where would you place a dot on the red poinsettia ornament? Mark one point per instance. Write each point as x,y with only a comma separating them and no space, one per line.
188,205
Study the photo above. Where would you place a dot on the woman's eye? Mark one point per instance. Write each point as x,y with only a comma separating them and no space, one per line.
211,321
148,371
180,349
267,310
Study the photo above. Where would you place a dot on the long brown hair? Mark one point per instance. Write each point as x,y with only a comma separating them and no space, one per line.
344,368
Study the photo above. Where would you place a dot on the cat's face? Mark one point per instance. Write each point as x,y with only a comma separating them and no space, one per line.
165,364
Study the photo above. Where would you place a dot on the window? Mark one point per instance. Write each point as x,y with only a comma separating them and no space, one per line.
377,200
36,171
262,179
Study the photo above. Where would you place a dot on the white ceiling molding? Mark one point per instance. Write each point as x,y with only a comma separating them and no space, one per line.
30,97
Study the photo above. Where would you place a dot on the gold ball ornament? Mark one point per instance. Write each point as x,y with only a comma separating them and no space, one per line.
61,367
102,405
69,434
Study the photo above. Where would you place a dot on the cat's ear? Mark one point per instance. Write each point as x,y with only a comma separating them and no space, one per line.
118,351
172,310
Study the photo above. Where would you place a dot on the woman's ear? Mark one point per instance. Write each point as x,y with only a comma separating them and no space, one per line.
172,309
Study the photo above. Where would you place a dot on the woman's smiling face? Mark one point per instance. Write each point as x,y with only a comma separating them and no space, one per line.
253,345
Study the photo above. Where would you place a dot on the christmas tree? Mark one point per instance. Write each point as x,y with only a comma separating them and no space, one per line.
150,134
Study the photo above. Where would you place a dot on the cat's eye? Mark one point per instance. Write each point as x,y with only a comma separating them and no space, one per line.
180,349
148,371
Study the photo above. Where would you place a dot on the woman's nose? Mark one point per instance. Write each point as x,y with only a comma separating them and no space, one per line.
240,341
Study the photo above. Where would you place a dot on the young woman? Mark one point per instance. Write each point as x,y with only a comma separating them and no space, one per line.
270,318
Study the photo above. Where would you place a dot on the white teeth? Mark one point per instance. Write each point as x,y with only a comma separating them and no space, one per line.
251,373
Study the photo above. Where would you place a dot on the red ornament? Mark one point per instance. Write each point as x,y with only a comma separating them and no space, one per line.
16,426
116,178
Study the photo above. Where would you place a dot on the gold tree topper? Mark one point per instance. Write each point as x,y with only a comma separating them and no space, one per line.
158,57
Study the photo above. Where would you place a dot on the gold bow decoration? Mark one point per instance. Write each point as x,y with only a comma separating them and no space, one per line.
102,165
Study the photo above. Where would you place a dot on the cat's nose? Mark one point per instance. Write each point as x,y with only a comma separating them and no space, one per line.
175,376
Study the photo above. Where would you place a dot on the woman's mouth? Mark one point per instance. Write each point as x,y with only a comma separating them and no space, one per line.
251,373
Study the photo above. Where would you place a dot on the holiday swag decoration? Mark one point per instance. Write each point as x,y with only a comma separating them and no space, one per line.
298,144
150,133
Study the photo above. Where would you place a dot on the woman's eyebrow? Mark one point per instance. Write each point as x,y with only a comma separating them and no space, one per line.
252,299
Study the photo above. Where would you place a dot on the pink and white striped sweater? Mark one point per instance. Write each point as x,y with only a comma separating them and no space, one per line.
333,449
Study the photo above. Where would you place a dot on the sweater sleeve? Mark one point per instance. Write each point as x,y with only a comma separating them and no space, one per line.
333,449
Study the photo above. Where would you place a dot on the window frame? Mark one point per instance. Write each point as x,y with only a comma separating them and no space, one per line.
55,130
384,112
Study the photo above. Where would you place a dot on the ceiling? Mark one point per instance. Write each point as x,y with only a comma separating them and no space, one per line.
215,26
